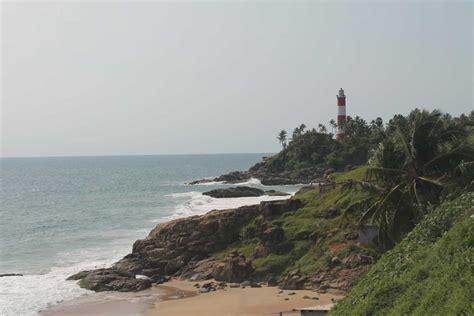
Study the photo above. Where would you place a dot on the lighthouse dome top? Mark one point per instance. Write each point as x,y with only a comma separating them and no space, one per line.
341,93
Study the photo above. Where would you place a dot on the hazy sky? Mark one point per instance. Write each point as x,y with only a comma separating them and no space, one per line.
107,78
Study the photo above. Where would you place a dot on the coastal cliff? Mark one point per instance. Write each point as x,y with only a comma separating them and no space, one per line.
297,243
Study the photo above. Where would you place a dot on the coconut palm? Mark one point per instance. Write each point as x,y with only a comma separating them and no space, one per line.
412,169
282,138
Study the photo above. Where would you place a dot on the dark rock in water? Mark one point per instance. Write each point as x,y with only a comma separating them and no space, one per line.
10,274
113,280
235,192
79,275
276,193
242,191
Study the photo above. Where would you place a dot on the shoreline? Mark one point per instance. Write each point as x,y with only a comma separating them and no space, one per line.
239,301
180,298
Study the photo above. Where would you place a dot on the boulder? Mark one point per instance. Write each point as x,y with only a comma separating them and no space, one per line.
233,269
10,274
273,235
294,280
112,280
272,209
234,192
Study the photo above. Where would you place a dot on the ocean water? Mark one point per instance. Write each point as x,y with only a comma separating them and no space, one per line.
62,215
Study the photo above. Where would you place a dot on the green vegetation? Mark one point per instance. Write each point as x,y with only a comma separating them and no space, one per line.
413,181
318,149
430,272
423,157
298,250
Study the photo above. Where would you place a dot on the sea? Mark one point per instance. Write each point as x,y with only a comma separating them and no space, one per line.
61,215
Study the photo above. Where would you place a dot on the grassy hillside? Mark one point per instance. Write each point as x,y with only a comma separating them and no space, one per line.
314,233
431,272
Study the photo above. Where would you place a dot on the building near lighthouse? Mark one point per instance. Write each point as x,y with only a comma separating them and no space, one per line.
341,114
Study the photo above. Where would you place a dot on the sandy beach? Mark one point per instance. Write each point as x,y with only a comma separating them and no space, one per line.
179,298
237,301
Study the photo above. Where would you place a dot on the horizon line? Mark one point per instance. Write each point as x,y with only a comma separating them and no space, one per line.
137,155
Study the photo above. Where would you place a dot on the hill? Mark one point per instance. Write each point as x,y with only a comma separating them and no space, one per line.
430,272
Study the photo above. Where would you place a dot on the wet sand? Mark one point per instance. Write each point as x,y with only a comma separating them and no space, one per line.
116,303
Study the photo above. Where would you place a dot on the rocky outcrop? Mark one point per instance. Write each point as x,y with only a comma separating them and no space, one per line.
242,191
111,280
294,280
269,177
10,274
183,248
233,268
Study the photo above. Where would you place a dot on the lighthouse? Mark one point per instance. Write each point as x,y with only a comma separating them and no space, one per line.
341,114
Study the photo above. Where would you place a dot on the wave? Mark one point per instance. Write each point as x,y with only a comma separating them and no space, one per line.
195,203
32,293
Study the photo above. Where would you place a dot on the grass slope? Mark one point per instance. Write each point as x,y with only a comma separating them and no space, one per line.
298,250
431,272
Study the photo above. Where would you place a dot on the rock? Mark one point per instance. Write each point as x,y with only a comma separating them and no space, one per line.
293,281
208,285
272,281
197,285
233,269
273,235
276,193
335,261
180,247
12,274
204,290
158,279
234,285
79,275
286,299
291,293
245,284
352,236
271,180
235,192
306,297
113,280
272,209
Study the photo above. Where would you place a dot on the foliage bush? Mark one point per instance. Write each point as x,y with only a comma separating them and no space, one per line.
430,272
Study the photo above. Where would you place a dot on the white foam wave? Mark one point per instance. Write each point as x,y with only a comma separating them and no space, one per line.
210,183
251,181
28,294
31,293
197,204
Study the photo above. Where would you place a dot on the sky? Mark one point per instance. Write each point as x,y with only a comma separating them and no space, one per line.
131,78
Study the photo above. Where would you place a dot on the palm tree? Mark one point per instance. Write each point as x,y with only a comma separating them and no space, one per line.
282,138
411,170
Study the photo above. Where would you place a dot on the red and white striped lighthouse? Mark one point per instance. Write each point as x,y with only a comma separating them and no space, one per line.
341,114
